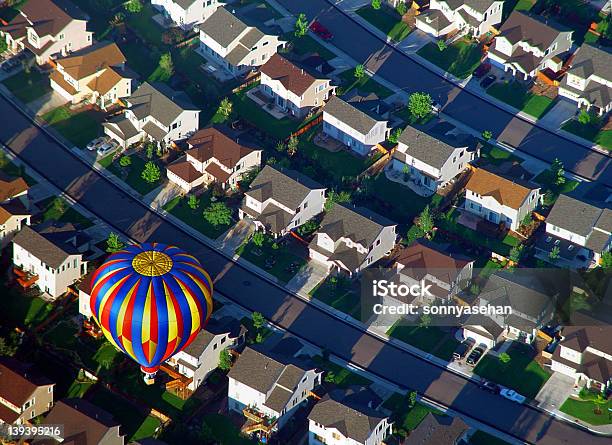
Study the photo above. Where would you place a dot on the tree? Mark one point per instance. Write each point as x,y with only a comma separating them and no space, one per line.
125,161
426,221
515,253
330,377
259,338
376,4
487,135
334,197
584,117
359,71
151,173
59,206
292,146
554,253
206,434
149,148
225,109
114,243
9,345
225,360
599,401
606,260
425,321
133,6
3,46
505,358
258,239
166,66
412,398
172,36
419,104
308,227
401,8
557,172
218,213
193,202
474,289
301,25
441,45
281,146
258,320
395,134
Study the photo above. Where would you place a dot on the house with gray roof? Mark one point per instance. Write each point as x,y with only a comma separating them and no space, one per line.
227,41
333,421
527,44
439,430
427,163
154,112
352,239
186,13
581,232
279,201
50,257
588,82
201,357
474,17
358,130
269,390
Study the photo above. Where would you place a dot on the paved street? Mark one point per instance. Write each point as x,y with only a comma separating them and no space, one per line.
126,214
462,105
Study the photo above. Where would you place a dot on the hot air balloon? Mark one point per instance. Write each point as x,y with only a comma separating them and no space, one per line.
151,300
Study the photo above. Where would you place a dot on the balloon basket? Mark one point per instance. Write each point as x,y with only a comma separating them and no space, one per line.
149,380
148,375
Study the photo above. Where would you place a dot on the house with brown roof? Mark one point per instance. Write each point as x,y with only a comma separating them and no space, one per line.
96,73
49,29
500,200
213,157
293,89
527,44
83,423
24,394
439,430
14,207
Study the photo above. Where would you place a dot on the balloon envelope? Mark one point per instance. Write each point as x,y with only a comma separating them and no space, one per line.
151,300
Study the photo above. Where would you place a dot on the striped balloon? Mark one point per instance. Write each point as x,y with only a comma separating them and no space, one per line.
151,300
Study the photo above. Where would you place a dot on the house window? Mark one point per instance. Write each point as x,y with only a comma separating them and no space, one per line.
306,205
215,346
61,36
223,340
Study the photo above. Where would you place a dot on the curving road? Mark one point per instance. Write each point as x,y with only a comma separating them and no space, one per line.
131,217
467,108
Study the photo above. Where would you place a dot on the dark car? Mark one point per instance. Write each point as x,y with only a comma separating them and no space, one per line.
487,81
463,348
490,386
321,30
476,355
482,69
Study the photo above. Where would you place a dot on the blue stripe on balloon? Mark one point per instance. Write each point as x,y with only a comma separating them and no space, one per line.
162,321
137,320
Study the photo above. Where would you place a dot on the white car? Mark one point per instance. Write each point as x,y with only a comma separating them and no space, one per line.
96,143
436,107
511,394
106,148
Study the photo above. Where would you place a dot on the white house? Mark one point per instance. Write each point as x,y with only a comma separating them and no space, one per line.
352,239
154,112
475,17
589,80
281,200
14,207
333,422
237,47
213,157
52,257
268,391
49,29
500,200
428,162
526,45
293,89
186,13
353,127
581,231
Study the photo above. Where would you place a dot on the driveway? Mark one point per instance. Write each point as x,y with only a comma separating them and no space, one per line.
307,278
46,103
563,110
415,41
555,391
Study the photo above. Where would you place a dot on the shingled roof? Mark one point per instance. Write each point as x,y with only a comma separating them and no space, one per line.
90,60
425,148
18,381
46,17
350,115
359,224
287,187
293,78
11,186
211,143
45,245
520,27
160,102
504,191
437,429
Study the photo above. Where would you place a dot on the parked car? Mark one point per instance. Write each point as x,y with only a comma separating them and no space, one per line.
482,69
476,354
512,395
106,148
96,143
435,107
321,30
488,81
490,386
463,349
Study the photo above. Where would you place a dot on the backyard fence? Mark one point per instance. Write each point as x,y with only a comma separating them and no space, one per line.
316,121
247,84
379,164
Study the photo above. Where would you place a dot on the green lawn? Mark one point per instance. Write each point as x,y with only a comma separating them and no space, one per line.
340,296
282,257
147,428
522,373
306,44
342,377
144,25
179,207
585,410
482,438
132,174
430,339
545,180
519,97
22,311
387,20
265,332
78,128
28,86
140,61
496,155
130,417
14,170
365,85
524,5
589,132
406,418
225,432
460,59
262,120
58,209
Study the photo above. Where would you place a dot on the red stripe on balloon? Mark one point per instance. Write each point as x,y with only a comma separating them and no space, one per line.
126,332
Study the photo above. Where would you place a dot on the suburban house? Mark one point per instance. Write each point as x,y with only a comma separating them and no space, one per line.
293,89
213,157
201,357
186,13
50,257
14,207
353,127
96,73
49,29
438,429
332,421
499,200
483,330
24,394
368,102
526,45
446,271
429,163
474,17
581,231
585,354
237,47
281,200
352,239
154,112
268,391
83,423
589,80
